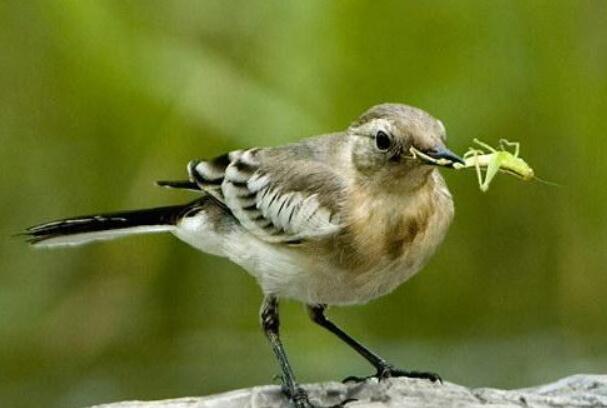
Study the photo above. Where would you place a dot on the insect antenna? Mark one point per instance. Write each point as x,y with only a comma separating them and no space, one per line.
548,183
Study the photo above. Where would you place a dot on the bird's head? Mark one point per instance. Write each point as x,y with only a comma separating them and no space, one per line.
394,141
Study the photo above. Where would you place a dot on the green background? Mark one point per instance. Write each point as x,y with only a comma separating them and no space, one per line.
100,98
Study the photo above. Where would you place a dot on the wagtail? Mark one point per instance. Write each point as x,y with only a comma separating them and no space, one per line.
337,219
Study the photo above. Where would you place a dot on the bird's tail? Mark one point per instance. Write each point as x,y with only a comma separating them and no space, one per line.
81,230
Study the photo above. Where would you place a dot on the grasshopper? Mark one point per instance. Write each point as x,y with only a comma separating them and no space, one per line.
495,160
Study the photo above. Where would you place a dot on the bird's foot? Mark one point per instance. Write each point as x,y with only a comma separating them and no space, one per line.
299,399
388,371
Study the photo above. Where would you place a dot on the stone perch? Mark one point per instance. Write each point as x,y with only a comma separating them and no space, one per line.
577,391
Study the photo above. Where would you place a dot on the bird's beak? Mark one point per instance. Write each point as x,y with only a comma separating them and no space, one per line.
440,156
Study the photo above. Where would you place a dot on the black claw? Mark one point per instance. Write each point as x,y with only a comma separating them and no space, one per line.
386,372
355,379
299,399
302,404
421,375
425,376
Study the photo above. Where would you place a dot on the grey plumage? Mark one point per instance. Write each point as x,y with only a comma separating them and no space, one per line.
370,218
336,219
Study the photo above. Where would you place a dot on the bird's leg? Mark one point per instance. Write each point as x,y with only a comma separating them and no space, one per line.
270,323
384,369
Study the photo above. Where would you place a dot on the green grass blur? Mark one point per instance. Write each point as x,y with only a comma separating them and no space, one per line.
100,98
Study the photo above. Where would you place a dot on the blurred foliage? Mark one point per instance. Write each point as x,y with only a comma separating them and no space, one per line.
101,98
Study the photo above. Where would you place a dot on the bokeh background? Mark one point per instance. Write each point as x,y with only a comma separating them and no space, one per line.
100,98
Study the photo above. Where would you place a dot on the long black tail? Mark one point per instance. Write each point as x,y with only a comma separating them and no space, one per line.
80,230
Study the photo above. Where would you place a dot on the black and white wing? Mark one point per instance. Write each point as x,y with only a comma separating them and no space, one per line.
275,197
209,174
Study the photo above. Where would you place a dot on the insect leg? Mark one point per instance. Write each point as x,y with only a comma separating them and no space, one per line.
485,145
477,165
492,168
472,152
516,145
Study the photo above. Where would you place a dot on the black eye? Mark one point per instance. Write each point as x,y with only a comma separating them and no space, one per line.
383,141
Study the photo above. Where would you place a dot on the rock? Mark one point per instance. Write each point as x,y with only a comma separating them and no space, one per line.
576,391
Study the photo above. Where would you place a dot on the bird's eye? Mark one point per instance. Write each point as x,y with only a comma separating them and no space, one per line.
383,142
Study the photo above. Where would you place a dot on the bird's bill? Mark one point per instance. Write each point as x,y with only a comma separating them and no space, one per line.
438,157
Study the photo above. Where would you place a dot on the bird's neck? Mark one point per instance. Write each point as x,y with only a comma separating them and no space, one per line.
398,184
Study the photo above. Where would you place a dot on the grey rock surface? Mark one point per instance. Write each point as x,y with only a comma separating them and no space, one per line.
575,391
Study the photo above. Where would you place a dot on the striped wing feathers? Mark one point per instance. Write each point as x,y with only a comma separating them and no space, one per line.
271,200
209,175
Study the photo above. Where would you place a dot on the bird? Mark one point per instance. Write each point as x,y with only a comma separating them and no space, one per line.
337,219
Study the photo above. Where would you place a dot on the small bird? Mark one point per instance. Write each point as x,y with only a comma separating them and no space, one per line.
337,219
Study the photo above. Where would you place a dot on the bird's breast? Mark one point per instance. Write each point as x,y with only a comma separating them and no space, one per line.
388,239
384,241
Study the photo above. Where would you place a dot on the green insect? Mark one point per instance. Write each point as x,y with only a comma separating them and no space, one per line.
495,161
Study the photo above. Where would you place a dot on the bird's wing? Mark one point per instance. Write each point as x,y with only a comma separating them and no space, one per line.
178,184
209,175
277,196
